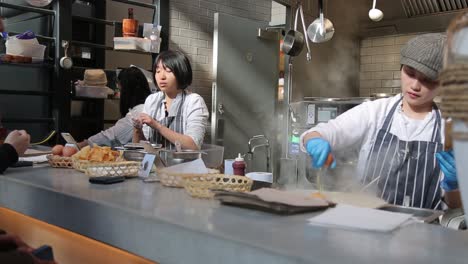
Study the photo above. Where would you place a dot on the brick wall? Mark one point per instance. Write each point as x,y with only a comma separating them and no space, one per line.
380,64
191,30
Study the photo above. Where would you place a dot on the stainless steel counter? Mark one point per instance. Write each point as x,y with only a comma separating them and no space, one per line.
168,226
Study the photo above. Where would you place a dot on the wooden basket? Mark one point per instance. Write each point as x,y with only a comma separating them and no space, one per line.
201,186
80,165
123,168
56,161
171,179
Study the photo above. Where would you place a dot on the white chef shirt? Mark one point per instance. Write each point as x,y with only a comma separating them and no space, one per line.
119,134
194,112
357,128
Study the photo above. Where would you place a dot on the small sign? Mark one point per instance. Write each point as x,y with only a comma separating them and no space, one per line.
146,165
311,114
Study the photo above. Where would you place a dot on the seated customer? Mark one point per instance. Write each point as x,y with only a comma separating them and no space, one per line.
173,114
15,145
134,90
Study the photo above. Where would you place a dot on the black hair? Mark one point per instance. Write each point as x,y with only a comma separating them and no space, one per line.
179,64
134,89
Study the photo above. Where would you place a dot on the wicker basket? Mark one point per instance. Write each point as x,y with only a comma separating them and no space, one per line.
56,161
171,179
80,165
123,168
201,186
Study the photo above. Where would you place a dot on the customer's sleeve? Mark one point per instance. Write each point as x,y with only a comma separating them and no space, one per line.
120,133
197,119
8,156
16,257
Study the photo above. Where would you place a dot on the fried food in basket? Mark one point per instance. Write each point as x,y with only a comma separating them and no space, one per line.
98,154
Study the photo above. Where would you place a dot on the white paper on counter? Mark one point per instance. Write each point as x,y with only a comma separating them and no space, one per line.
358,218
197,167
35,152
35,159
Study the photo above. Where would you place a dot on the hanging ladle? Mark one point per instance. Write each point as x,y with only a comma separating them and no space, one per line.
321,30
309,57
375,14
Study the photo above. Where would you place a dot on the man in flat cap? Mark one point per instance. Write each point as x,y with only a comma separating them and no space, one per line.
399,139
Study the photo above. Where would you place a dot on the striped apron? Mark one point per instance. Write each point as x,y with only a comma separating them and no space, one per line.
173,122
406,171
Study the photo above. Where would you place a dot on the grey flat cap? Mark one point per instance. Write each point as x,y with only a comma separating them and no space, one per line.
425,54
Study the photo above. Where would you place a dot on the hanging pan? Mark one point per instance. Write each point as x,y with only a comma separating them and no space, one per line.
293,41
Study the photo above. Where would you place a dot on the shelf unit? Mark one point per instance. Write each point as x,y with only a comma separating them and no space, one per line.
40,107
58,96
99,47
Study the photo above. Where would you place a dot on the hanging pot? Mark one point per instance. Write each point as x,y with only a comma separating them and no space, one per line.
293,41
321,30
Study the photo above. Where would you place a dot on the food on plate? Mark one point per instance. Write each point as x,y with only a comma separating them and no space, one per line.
98,154
57,150
318,195
69,151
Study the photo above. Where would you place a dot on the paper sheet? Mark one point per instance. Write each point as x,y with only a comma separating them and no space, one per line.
35,159
358,218
35,152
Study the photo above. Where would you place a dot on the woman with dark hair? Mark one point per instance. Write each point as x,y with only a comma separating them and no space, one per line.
173,114
134,91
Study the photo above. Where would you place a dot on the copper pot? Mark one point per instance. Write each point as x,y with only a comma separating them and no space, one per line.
129,27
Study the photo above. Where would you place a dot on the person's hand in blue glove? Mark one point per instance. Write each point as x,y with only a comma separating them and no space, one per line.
447,166
319,149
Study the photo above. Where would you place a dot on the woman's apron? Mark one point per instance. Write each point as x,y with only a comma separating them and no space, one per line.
173,122
407,171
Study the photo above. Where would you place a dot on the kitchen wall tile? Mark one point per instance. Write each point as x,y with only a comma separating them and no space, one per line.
391,83
391,66
384,75
380,64
179,23
365,92
365,75
371,67
383,90
385,41
188,33
404,39
383,58
192,23
366,59
365,43
370,84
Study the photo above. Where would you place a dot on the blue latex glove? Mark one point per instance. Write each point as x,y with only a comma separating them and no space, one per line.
447,165
318,149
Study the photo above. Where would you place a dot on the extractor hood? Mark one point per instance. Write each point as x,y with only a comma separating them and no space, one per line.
411,16
415,8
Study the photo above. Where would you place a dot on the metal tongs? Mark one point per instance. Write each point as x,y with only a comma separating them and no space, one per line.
320,171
